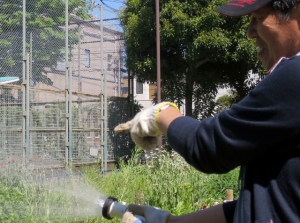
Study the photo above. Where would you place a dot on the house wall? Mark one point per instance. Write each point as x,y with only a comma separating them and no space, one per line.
87,64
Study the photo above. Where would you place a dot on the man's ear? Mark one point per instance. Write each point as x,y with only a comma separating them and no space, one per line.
297,9
295,14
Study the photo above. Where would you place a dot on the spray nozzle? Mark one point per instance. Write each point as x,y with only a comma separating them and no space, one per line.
108,206
111,208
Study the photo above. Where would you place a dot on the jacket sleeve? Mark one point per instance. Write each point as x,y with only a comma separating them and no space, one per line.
265,119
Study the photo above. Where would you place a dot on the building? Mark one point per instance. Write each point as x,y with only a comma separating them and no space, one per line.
87,63
143,93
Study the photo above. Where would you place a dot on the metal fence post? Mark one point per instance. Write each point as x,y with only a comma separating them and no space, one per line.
105,120
27,108
25,90
70,113
103,101
67,89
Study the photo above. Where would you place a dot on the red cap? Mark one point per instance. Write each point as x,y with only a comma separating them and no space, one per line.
237,8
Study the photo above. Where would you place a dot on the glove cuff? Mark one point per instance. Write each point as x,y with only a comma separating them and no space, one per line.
162,106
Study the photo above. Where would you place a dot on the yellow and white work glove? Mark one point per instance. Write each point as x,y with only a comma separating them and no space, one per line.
143,127
151,214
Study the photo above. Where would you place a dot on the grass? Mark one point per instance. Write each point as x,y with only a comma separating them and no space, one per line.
166,182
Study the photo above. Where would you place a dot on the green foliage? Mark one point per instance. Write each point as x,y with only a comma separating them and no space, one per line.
225,101
30,195
9,197
200,50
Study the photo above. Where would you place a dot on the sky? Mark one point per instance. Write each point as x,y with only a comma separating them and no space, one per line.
110,11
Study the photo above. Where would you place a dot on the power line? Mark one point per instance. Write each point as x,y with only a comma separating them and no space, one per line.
92,21
116,1
111,8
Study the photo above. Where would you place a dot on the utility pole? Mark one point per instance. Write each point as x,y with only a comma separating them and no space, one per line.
158,52
158,62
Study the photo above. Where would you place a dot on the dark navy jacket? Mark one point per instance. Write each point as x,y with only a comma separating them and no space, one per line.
261,134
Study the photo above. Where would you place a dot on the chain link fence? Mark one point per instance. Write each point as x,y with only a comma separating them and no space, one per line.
59,76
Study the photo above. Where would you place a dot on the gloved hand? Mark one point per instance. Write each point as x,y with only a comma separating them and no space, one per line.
143,128
151,214
128,217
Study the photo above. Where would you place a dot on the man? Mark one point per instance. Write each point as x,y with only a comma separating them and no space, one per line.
261,133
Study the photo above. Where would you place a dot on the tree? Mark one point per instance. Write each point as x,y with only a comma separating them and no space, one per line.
200,50
121,144
225,101
45,20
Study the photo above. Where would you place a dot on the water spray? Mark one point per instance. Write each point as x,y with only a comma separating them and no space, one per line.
111,208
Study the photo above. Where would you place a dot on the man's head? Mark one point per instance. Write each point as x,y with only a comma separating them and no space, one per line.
275,26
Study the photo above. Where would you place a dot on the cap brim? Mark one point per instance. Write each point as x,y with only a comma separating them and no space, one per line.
237,8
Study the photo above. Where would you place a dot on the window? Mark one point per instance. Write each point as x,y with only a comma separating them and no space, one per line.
152,91
87,58
89,123
20,95
96,126
139,87
109,56
125,90
61,66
